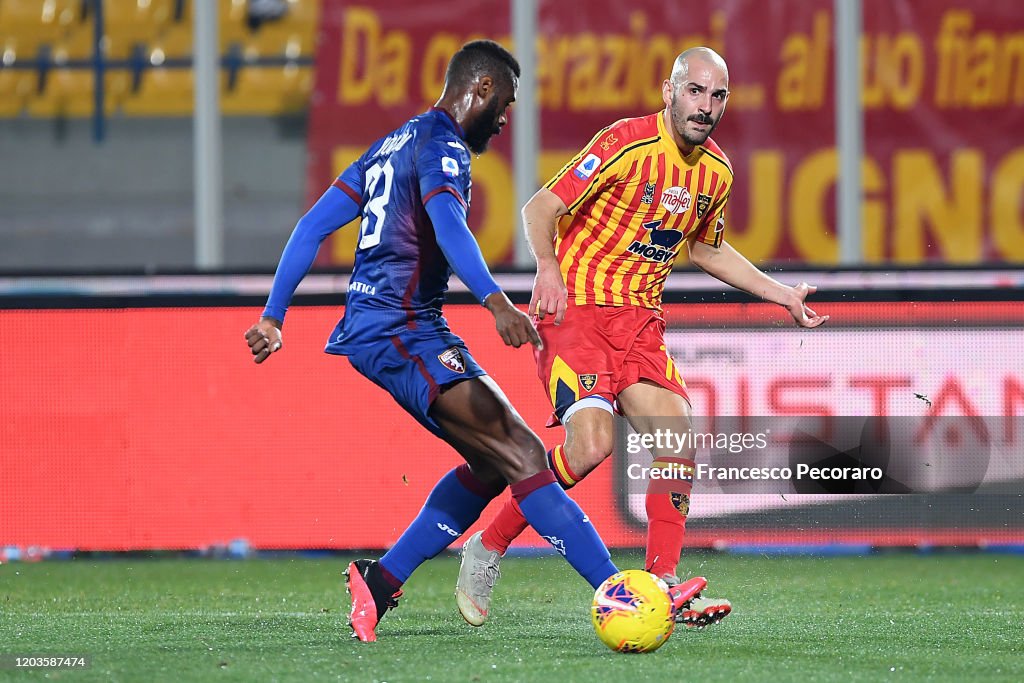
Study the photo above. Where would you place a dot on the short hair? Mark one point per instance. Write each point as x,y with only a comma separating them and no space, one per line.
480,58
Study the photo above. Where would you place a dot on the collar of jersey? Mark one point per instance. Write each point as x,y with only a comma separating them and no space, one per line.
450,120
666,139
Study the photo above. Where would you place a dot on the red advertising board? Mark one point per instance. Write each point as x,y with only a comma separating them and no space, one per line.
152,428
943,91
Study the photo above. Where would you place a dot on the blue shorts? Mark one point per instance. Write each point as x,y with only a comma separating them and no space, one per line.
415,366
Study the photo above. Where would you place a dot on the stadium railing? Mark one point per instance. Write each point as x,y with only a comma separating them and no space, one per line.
62,59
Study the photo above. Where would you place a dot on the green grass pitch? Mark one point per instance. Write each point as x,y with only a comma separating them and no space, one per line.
890,617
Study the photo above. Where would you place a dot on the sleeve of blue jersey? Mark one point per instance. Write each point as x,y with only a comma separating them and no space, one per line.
459,246
335,208
442,165
351,181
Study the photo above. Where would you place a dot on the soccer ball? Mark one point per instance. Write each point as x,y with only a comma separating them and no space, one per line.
632,612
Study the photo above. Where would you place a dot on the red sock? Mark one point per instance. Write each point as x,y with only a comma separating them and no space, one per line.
505,528
668,504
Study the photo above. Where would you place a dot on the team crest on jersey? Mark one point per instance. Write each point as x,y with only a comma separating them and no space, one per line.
661,247
703,202
648,196
681,502
587,166
452,359
676,199
588,382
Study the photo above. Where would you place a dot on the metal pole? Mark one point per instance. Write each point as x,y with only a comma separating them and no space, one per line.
526,132
99,121
206,138
849,130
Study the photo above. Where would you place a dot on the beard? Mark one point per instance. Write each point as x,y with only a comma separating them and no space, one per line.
679,121
480,131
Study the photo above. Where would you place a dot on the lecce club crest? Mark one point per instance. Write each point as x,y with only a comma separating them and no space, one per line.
703,202
681,502
588,382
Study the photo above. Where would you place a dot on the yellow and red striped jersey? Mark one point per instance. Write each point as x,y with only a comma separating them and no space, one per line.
633,197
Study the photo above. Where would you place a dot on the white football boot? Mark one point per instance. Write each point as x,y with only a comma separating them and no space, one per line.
477,575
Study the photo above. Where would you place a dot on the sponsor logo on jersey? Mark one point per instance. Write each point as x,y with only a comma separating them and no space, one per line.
703,202
610,140
456,145
648,197
661,247
361,288
588,382
449,166
681,502
452,359
587,166
676,199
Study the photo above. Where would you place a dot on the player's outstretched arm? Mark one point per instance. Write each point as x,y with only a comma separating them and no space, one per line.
540,221
334,209
732,268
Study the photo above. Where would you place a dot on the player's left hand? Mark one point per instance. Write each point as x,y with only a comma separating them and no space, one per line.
801,312
264,338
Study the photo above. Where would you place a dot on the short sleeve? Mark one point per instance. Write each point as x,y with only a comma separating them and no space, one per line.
712,229
443,166
351,181
587,172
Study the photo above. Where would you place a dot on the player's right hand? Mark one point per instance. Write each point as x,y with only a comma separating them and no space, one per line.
550,296
264,338
514,326
803,314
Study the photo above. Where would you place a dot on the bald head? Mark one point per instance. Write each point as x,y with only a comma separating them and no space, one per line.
695,95
697,57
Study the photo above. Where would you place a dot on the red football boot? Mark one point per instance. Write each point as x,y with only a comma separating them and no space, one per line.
691,609
371,596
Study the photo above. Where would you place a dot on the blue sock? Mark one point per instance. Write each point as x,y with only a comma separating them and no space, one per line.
561,522
455,503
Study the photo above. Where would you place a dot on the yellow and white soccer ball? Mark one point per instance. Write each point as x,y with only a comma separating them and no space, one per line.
632,612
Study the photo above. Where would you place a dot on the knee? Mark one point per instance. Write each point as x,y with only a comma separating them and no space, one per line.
588,449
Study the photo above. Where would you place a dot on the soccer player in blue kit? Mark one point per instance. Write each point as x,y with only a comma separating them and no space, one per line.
412,189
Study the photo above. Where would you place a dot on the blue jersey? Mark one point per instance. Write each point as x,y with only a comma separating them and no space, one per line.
400,274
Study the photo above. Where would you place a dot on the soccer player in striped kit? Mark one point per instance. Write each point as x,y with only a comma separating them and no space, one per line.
640,190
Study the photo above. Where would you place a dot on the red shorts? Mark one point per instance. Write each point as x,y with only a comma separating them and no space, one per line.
598,351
